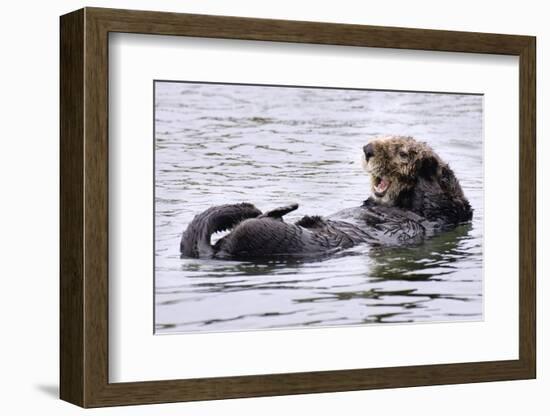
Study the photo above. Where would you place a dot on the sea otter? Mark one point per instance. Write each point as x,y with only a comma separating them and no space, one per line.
415,194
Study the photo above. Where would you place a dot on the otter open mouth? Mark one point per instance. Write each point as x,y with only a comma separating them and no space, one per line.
381,185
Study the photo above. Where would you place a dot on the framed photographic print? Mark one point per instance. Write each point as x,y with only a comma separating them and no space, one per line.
255,207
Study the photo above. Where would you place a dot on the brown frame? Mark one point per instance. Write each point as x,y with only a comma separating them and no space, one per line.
84,207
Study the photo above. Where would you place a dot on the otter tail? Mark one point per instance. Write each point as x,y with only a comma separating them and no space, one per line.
195,240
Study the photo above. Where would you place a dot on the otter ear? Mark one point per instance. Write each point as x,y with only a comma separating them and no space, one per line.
428,167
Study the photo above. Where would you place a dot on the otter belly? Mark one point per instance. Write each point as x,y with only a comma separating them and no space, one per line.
254,234
388,225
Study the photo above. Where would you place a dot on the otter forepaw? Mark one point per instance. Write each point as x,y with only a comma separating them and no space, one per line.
369,202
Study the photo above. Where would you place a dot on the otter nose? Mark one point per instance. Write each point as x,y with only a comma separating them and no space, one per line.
369,151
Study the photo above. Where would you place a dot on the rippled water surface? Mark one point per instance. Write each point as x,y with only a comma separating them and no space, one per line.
218,144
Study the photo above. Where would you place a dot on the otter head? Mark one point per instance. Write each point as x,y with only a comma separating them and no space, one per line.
395,165
409,174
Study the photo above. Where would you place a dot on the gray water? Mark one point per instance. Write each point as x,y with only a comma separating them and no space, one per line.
218,144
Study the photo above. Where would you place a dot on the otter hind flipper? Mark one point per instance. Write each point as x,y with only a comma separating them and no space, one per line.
195,240
279,213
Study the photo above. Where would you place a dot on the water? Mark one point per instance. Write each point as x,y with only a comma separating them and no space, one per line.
219,144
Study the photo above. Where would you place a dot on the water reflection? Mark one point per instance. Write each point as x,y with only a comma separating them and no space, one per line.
440,254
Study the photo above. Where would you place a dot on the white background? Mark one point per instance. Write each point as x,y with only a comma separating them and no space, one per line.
131,209
29,210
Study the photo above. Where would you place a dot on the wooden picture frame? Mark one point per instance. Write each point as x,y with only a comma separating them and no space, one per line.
84,207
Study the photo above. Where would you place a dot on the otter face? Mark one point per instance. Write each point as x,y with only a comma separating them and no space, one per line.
395,164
